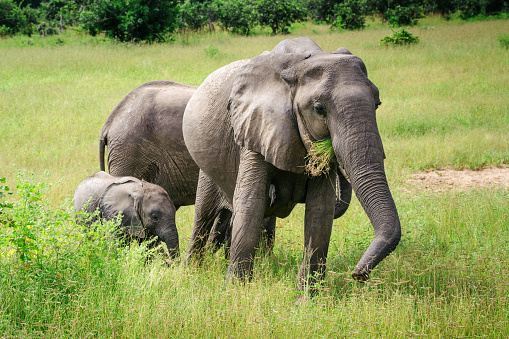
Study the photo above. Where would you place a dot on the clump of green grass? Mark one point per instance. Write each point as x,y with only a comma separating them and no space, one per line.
504,40
401,37
319,157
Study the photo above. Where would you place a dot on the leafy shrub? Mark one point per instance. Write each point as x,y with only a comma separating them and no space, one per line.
192,16
320,10
442,7
236,16
401,37
504,40
473,8
403,16
12,18
134,20
279,15
45,259
349,15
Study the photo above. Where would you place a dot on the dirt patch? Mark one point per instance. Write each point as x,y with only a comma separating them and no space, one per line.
442,180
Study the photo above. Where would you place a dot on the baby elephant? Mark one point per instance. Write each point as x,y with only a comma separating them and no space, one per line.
147,210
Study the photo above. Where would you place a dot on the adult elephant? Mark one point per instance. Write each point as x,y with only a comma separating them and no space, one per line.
249,127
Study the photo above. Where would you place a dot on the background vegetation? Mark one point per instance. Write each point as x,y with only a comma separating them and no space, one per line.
157,20
444,105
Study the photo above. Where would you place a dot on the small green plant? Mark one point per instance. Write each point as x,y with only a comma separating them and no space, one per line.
401,37
213,52
504,40
4,205
319,157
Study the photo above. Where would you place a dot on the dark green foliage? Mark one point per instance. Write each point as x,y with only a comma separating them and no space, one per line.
192,16
349,15
132,20
50,10
504,40
236,16
321,10
401,37
403,16
442,7
472,8
12,19
279,15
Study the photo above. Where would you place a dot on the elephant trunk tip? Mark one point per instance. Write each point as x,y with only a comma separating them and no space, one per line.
367,263
360,275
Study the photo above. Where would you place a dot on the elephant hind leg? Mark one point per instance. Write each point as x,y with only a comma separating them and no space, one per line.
220,231
268,234
208,206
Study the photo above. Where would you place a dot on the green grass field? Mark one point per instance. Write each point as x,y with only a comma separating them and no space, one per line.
445,105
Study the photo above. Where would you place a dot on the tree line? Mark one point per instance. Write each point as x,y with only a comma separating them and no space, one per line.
155,20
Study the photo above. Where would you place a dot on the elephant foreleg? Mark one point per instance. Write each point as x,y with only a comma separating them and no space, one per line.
320,200
249,203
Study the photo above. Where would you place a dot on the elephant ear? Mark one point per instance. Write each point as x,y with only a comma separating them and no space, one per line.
261,107
124,195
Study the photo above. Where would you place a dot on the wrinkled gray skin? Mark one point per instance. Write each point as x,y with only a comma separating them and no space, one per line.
306,45
146,208
247,127
144,138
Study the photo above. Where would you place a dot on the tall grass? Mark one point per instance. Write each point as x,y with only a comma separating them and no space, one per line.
444,105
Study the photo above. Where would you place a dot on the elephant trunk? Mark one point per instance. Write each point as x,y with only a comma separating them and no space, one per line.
359,149
171,239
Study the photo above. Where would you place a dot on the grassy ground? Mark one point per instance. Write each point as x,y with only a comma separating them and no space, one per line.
445,104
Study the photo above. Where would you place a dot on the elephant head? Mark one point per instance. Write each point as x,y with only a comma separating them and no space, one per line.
147,210
282,102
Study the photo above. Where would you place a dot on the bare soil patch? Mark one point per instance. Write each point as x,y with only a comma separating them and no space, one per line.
442,180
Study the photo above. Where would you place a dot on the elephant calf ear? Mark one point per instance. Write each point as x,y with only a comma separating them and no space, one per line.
123,196
262,116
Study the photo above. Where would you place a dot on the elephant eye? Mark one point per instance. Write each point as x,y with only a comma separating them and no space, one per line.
378,104
154,217
319,108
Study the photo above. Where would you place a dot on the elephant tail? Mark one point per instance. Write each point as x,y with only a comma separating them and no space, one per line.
102,145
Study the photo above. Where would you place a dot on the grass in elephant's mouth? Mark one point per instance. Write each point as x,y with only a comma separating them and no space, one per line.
319,157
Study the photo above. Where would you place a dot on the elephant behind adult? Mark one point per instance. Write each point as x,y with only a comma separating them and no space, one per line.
249,127
144,138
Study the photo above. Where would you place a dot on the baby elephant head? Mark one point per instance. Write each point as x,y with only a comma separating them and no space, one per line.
147,210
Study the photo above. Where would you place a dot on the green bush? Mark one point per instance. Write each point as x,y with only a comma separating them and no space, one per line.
349,15
473,8
192,16
12,19
45,259
403,16
236,16
401,37
504,40
279,15
134,20
320,10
